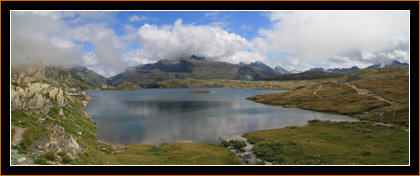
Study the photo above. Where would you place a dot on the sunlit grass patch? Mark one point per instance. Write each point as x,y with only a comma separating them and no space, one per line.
177,154
333,97
323,142
199,92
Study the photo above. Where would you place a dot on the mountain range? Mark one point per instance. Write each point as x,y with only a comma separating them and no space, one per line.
341,70
147,75
195,67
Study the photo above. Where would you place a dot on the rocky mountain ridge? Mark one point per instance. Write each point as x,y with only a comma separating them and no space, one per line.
191,67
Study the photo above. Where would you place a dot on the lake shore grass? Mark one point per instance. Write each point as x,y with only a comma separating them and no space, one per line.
199,92
165,154
332,143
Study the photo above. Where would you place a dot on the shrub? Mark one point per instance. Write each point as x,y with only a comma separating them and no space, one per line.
30,135
13,132
65,159
253,139
41,161
260,163
50,155
236,144
276,151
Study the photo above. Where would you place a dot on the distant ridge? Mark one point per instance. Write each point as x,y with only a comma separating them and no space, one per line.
382,65
195,67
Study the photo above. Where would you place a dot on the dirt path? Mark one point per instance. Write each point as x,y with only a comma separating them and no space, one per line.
368,93
17,137
316,91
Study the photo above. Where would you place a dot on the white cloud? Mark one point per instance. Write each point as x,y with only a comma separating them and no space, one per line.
212,15
214,43
38,37
136,18
45,37
245,27
336,38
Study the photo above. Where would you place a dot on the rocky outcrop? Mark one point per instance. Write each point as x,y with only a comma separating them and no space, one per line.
20,159
54,75
40,98
60,142
37,96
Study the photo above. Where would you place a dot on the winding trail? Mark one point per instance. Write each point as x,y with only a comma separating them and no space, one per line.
316,91
369,93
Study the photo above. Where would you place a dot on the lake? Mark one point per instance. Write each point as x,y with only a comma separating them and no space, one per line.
156,116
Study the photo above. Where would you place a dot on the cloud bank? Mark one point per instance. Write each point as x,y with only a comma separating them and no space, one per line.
172,42
337,38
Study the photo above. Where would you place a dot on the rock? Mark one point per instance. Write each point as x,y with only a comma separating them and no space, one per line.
233,137
59,141
19,160
61,113
37,95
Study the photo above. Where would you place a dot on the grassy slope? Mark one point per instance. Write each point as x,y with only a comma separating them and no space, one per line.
337,143
334,96
166,154
177,154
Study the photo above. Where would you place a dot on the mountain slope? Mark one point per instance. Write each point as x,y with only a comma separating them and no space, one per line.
280,70
90,76
382,65
343,69
54,75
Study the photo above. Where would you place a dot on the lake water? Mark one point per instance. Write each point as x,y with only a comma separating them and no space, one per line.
156,116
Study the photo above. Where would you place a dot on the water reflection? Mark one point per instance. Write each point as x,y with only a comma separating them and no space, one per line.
156,116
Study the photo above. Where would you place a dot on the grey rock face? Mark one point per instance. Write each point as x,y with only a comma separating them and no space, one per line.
37,95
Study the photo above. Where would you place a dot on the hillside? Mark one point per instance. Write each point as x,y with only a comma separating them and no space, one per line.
369,94
49,74
90,76
308,75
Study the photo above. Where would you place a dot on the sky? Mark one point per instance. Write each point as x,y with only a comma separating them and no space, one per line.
110,41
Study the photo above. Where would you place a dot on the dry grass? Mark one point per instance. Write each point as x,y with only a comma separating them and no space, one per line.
395,114
395,90
199,92
333,97
323,142
176,154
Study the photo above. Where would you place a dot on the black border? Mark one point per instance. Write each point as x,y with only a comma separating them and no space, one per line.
6,169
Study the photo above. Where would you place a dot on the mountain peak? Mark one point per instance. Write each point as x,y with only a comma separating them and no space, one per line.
198,57
389,64
280,70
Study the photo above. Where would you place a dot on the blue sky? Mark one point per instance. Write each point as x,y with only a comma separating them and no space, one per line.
110,41
244,23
